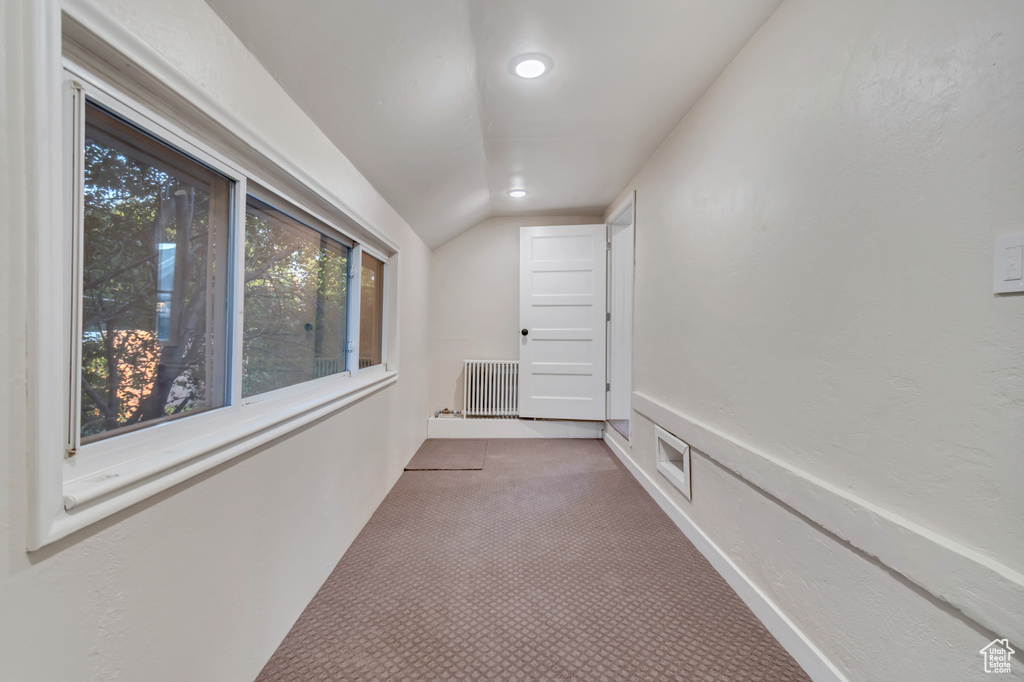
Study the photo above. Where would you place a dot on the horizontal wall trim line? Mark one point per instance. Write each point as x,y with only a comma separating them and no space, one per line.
782,628
983,589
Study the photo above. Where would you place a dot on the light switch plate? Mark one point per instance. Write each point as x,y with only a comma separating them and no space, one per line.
1008,265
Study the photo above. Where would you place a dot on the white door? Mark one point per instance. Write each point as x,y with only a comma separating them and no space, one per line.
562,321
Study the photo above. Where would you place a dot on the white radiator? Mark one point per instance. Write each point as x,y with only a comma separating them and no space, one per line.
491,388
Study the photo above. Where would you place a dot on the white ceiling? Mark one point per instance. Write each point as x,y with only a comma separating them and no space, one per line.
419,96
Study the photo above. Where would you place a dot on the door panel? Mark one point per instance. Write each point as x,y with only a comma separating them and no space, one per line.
562,306
567,317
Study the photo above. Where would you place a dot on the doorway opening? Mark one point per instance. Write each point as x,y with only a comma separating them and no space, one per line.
621,235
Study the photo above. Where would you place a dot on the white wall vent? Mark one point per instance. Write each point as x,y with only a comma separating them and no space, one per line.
673,460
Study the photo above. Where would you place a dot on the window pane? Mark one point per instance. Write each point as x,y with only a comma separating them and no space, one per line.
296,284
154,284
371,312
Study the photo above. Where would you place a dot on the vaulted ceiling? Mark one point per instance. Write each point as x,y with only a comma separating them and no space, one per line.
420,96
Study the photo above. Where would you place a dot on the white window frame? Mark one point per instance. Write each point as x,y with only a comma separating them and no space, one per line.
75,485
355,302
80,85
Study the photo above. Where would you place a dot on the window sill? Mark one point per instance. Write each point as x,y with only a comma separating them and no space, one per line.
94,487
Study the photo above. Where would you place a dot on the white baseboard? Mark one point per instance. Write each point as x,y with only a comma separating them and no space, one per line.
787,634
458,427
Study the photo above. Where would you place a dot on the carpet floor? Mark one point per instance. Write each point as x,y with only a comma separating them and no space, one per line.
550,563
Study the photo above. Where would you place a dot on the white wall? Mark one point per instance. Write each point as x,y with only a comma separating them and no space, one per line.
474,291
813,282
203,581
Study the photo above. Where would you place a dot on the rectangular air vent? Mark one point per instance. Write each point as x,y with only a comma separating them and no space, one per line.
673,460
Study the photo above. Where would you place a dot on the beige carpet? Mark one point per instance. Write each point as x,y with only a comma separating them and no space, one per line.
449,453
551,563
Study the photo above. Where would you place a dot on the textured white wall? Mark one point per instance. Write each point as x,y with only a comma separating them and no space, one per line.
203,581
474,291
813,278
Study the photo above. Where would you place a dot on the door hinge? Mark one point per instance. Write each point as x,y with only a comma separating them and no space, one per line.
607,388
607,317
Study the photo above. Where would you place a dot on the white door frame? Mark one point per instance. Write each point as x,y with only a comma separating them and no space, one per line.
621,240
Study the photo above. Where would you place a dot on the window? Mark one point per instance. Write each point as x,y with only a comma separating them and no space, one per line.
199,295
156,288
371,312
296,292
154,251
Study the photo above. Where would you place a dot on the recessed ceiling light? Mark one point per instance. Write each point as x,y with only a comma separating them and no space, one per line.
517,193
530,65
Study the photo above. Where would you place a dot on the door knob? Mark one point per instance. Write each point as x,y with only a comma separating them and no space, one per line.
525,332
